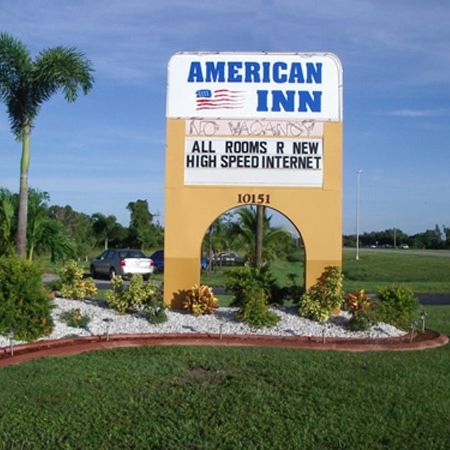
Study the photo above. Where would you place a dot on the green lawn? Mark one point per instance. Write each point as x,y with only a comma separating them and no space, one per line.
423,274
282,270
230,398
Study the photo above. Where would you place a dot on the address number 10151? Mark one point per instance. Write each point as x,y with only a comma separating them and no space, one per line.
256,199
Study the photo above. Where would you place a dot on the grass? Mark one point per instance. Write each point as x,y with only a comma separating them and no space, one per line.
284,271
422,273
236,398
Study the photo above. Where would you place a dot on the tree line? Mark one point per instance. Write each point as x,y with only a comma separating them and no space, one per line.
64,233
436,238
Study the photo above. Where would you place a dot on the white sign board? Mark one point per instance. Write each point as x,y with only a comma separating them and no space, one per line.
253,162
252,86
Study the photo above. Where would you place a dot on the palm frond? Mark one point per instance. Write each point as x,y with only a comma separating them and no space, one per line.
15,81
62,68
15,63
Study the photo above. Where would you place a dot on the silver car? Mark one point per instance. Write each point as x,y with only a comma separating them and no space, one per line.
122,261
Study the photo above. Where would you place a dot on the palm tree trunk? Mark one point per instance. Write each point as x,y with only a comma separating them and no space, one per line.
259,235
23,194
210,250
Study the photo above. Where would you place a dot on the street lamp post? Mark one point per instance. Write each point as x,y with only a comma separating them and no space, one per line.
358,186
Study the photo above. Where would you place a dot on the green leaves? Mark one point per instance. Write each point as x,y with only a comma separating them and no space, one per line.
137,296
8,204
75,319
62,68
25,305
26,84
253,288
240,279
15,62
324,297
397,306
74,286
254,310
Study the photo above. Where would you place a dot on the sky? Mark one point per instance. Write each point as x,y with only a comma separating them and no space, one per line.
108,148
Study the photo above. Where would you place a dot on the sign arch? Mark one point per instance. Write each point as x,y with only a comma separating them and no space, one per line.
271,209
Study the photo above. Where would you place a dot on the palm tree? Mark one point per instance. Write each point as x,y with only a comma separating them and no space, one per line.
38,218
219,238
25,84
44,232
246,229
105,227
8,204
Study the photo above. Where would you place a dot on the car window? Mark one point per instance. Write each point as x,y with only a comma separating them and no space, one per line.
133,254
103,255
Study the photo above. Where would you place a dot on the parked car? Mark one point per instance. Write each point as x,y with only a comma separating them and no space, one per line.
158,259
122,261
404,246
229,259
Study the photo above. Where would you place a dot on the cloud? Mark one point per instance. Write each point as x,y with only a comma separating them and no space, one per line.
419,112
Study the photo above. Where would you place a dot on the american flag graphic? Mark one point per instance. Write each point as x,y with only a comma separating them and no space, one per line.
219,99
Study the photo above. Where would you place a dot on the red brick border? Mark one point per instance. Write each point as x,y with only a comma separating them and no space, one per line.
73,346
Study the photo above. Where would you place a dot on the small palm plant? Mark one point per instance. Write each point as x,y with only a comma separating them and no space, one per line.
25,84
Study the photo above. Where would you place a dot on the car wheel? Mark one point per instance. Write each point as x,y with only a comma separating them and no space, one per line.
112,273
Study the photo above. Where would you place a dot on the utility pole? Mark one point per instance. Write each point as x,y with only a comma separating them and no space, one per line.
358,188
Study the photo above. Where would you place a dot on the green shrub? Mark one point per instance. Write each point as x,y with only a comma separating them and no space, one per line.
126,300
73,285
200,300
360,306
156,314
138,296
54,285
361,320
295,257
75,319
294,291
155,310
25,305
254,310
239,279
326,296
397,306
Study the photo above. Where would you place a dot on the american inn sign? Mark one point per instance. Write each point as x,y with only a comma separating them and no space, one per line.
252,128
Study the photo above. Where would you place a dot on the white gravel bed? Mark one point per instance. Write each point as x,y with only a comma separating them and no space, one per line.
223,320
